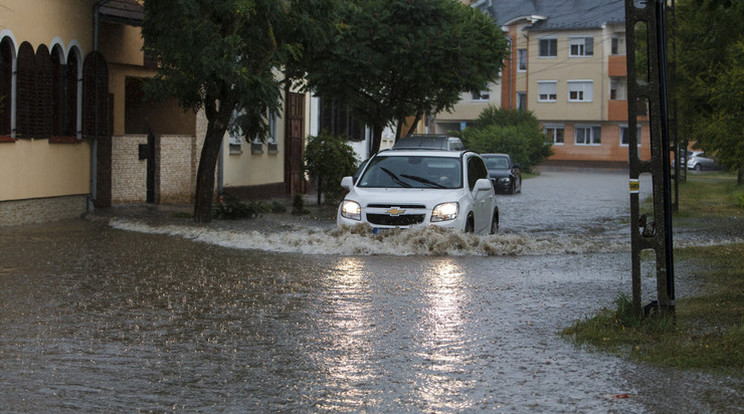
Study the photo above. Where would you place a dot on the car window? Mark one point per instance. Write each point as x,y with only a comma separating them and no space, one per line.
413,172
476,171
495,163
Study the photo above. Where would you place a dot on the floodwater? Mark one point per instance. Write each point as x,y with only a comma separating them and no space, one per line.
279,314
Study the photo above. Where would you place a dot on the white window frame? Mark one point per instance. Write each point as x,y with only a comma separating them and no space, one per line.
580,46
551,132
482,95
547,39
547,91
594,137
625,127
521,60
583,90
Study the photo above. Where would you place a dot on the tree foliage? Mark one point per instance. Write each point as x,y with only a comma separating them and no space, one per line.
329,158
391,59
710,93
514,132
219,56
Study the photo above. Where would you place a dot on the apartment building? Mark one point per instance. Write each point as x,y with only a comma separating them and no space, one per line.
567,65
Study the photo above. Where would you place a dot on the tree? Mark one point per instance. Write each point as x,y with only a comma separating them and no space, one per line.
329,158
514,132
219,56
709,92
391,59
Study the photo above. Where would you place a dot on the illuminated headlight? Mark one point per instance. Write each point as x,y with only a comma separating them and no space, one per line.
505,179
445,211
351,210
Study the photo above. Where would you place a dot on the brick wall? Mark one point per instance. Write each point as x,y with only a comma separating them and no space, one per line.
128,172
40,210
178,162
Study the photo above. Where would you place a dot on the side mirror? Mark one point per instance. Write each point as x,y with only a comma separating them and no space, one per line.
483,184
516,165
347,183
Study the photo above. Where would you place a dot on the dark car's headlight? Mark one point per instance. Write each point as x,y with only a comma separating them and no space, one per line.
351,210
506,180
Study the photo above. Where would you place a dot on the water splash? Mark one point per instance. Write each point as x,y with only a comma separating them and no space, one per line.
361,241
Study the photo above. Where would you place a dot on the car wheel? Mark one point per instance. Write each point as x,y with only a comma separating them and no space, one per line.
698,167
470,224
495,222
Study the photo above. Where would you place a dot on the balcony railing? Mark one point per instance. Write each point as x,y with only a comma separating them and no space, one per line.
616,66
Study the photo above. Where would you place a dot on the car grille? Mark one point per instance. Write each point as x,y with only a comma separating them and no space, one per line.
403,206
388,220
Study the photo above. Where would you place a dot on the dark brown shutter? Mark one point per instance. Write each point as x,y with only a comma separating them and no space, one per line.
26,91
44,107
58,90
69,120
6,80
95,96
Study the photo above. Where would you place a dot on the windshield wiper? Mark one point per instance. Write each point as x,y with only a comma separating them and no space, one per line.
395,178
422,180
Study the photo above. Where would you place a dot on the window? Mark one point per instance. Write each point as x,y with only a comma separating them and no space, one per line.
6,81
522,60
273,138
481,95
546,91
235,136
476,170
615,46
580,46
554,134
522,101
26,91
548,47
625,135
588,135
580,91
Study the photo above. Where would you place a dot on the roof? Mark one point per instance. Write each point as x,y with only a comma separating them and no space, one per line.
556,14
129,12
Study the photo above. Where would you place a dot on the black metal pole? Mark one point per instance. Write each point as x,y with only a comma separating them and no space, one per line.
664,100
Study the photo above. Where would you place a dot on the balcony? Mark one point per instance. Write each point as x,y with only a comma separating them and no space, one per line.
616,66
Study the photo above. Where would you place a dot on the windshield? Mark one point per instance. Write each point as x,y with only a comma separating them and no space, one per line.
413,172
496,163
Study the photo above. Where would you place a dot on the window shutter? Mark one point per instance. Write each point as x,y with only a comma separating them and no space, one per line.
6,79
26,91
44,107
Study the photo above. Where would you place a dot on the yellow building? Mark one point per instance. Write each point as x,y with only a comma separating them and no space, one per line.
76,131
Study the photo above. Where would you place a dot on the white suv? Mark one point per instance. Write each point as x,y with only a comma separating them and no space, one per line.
406,188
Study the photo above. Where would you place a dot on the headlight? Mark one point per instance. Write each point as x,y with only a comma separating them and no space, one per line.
505,179
351,210
445,211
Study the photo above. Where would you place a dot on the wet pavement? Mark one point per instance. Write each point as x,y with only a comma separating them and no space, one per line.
135,309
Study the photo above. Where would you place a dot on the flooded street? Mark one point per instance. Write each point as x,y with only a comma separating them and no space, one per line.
116,313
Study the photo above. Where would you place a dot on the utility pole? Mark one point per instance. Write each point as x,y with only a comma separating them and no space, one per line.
655,232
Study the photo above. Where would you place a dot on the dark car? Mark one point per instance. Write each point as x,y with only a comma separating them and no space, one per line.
429,141
504,173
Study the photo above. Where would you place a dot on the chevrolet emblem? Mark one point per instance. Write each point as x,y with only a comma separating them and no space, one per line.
395,211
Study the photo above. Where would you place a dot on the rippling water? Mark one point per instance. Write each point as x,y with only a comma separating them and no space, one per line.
131,316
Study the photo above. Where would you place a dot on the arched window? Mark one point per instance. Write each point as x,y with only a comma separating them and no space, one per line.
43,121
6,86
58,90
26,91
70,99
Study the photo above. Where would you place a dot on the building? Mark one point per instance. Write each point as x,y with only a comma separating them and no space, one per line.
567,65
77,133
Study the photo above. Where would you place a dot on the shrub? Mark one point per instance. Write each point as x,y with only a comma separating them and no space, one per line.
229,207
329,158
514,132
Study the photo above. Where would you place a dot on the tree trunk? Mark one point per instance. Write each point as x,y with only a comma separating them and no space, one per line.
376,138
205,174
740,177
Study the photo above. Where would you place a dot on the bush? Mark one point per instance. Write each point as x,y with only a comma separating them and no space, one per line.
509,131
229,207
328,159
